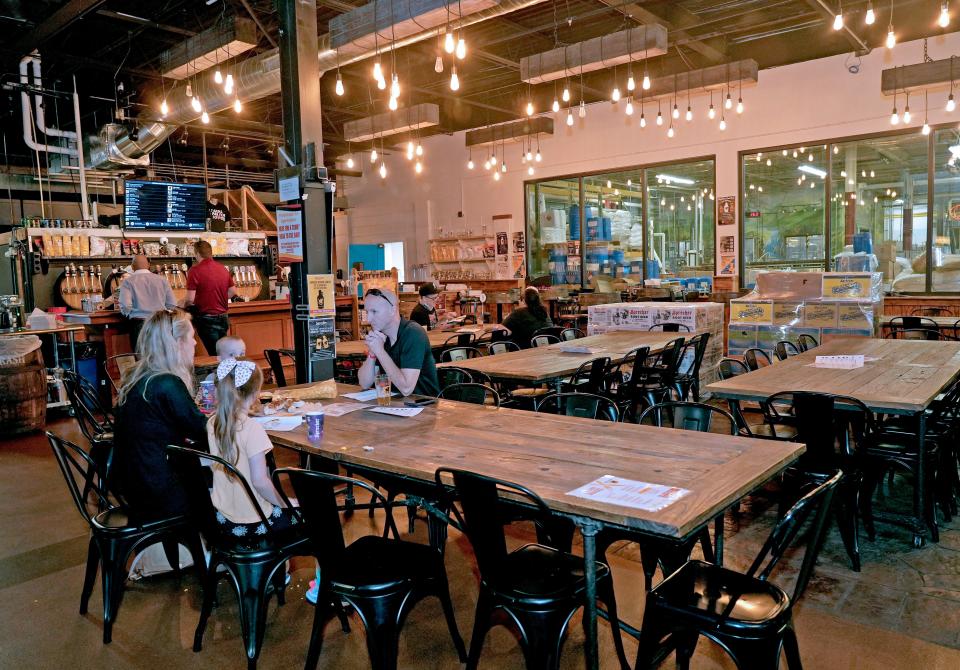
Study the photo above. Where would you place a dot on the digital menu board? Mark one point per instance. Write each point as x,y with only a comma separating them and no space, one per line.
159,205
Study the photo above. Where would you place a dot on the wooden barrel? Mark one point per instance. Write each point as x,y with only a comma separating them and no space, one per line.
23,395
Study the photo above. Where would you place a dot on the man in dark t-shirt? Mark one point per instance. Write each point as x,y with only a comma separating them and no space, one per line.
398,346
425,312
218,215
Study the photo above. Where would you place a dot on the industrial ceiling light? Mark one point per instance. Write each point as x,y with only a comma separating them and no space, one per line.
871,15
615,94
373,155
670,132
629,109
383,170
496,176
906,110
410,150
237,107
944,19
643,120
377,70
583,109
454,79
659,114
392,104
205,117
189,91
565,96
195,104
711,113
728,103
183,138
449,45
461,50
676,110
470,158
419,150
645,84
418,167
555,106
894,117
486,164
438,64
164,108
530,170
891,38
926,124
838,18
228,84
723,122
350,162
339,87
218,76
529,108
395,86
569,117
740,97
503,167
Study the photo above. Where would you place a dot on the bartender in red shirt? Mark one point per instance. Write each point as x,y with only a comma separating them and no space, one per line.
209,289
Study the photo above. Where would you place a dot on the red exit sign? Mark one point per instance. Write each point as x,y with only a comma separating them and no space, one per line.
753,215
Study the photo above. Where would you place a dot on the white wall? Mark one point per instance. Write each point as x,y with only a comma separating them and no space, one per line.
807,102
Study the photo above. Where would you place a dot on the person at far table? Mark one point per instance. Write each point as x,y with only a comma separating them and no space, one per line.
398,346
523,322
209,289
141,294
425,312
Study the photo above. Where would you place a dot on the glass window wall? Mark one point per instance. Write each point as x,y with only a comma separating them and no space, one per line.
945,243
553,231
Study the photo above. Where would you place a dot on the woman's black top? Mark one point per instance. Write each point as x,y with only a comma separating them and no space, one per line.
523,324
145,424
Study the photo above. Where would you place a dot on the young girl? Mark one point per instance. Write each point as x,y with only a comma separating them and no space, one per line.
243,442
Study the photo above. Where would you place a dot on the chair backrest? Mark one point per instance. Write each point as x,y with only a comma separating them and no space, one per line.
684,415
668,327
568,334
621,372
731,367
93,418
316,493
502,347
75,464
583,405
549,330
756,358
121,363
460,340
275,360
591,375
477,505
543,340
188,465
784,349
449,375
691,358
932,311
669,358
807,342
918,334
458,354
903,322
477,394
822,421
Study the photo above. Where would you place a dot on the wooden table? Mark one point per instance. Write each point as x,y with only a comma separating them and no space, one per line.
540,365
69,330
905,380
357,348
554,454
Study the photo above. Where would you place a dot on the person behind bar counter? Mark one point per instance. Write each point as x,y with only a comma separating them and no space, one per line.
209,289
141,294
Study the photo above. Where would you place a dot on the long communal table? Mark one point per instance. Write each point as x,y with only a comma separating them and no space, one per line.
554,455
550,364
905,378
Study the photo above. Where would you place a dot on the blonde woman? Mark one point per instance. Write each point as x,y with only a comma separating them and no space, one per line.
156,408
242,442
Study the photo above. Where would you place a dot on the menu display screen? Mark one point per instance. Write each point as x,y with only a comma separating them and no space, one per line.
158,205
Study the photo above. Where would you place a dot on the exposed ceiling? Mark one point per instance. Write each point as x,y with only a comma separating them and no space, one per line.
104,42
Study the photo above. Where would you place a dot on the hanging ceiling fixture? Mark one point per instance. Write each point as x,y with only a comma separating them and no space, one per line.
373,154
205,117
944,19
891,37
659,115
470,159
454,79
711,113
838,18
383,170
339,86
237,107
894,117
629,109
906,110
871,15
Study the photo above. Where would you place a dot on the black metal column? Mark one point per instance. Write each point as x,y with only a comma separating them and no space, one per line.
303,138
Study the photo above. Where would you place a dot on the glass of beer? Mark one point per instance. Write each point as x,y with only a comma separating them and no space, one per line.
383,389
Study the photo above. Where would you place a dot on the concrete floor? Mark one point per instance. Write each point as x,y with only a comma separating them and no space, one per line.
901,611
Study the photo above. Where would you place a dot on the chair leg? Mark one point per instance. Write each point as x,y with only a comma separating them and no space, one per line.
251,583
541,637
90,576
792,649
209,598
171,551
655,627
868,485
846,510
316,632
755,654
481,624
381,617
442,591
606,596
114,562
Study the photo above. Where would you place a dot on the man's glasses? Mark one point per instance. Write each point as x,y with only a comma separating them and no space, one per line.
380,294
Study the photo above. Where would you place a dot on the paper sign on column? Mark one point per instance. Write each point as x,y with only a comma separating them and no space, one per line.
290,235
629,493
839,362
320,295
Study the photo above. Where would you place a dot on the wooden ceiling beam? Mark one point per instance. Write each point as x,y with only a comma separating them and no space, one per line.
921,75
509,131
677,31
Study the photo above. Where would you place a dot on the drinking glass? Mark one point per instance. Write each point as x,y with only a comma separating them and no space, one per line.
383,390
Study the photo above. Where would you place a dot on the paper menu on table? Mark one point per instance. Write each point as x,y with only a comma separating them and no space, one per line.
629,493
840,362
341,408
397,411
279,423
577,349
363,396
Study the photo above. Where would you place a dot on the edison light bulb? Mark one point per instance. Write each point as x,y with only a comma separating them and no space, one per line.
392,104
659,119
871,16
395,86
381,83
838,21
461,48
493,159
419,151
569,117
723,124
339,87
496,176
643,120
383,170
438,65
906,115
583,109
951,104
728,103
630,83
739,105
538,157
689,115
486,164
418,167
615,96
529,155
629,109
350,162
237,107
944,19
503,167
894,117
454,79
711,113
228,84
565,96
926,128
555,106
377,71
195,103
448,44
470,164
409,151
205,117
530,108
164,108
891,38
373,155
217,77
189,91
670,131
530,170
646,82
676,111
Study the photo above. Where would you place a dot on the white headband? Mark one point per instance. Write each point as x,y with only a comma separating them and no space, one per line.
242,370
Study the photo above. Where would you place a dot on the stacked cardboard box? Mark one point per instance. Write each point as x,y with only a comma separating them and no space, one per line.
699,317
825,305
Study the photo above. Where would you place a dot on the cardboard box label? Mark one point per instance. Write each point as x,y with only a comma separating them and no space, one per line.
820,315
751,312
851,286
857,316
787,313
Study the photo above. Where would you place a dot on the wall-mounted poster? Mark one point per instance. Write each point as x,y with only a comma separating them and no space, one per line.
322,343
290,235
502,248
728,256
726,210
320,295
519,242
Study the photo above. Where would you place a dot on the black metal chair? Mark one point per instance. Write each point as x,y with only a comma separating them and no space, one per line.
919,334
584,405
910,322
932,311
835,430
543,340
121,363
747,615
667,327
691,358
113,537
726,369
455,354
253,564
549,330
568,334
477,394
96,424
502,347
447,376
382,578
459,340
784,349
806,342
539,588
275,360
688,416
756,358
590,377
652,380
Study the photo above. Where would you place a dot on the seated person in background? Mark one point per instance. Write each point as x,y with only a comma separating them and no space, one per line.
425,313
156,408
242,441
399,346
524,321
228,348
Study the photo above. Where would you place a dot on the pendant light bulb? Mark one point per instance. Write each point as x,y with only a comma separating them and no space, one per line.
951,103
486,164
195,104
629,109
926,128
374,155
728,103
631,84
438,65
419,150
381,84
723,123
461,50
894,117
891,38
689,115
583,109
237,107
395,86
164,108
739,105
645,85
615,95
383,170
529,155
228,84
470,164
205,117
659,119
569,117
565,96
448,44
409,151
454,79
529,108
676,111
538,157
944,20
643,120
493,159
871,15
496,176
530,170
711,113
503,167
218,77
555,106
392,104
350,162
670,131
906,114
189,91
339,87
838,20
418,167
377,71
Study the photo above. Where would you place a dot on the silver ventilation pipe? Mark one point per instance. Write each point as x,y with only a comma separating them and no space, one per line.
254,78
